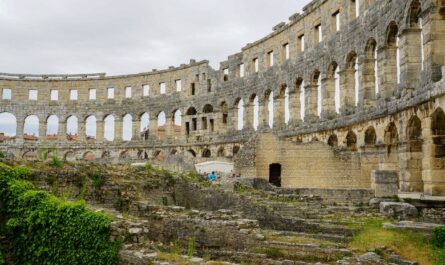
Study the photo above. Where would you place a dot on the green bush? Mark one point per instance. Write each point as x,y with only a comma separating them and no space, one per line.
2,259
439,236
98,180
56,162
45,230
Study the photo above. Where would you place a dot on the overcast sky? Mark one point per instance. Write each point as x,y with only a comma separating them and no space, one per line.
131,36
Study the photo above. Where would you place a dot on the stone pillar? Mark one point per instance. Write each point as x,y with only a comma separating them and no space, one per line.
118,129
388,70
81,130
153,127
279,109
367,90
62,131
168,127
384,182
410,57
434,39
19,130
310,95
347,91
328,98
136,126
42,130
295,106
100,129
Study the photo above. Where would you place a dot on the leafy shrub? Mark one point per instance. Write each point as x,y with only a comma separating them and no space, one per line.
56,162
439,236
45,230
2,155
98,180
2,259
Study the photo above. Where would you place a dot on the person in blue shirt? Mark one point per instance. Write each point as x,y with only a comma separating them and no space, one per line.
212,176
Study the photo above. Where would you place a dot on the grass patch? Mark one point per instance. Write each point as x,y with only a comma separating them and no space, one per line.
270,236
407,244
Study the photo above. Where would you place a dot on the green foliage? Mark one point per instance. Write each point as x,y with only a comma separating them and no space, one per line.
439,237
45,230
56,162
2,155
2,259
98,180
164,200
191,247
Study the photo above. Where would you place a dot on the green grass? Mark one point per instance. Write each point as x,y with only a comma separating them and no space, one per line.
407,244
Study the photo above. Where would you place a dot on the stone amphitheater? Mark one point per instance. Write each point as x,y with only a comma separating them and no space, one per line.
350,94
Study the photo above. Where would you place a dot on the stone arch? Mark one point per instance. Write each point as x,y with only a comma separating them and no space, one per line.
414,128
221,152
333,140
174,152
52,126
30,155
283,114
235,150
143,155
89,156
224,114
351,141
105,155
127,127
370,136
315,101
239,113
191,111
391,134
268,115
72,127
191,152
109,127
69,157
124,154
207,108
206,153
411,168
254,109
31,127
438,123
90,127
391,34
331,92
8,124
159,156
370,73
413,15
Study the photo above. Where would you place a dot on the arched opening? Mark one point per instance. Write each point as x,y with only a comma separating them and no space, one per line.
391,137
254,102
31,128
191,123
161,120
145,123
240,114
370,74
270,108
438,123
333,140
109,128
69,157
8,126
206,153
221,152
370,136
275,174
411,172
331,92
124,155
207,108
351,141
300,86
392,60
173,152
89,156
207,121
52,127
127,128
105,155
283,115
30,156
316,80
143,155
415,38
191,152
72,128
235,150
177,121
225,114
351,85
90,128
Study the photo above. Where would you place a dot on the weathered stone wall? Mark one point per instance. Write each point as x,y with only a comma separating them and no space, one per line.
399,128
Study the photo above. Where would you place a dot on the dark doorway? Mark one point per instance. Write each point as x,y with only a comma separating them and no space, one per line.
275,174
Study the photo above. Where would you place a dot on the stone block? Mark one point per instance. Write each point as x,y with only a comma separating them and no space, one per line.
384,183
398,209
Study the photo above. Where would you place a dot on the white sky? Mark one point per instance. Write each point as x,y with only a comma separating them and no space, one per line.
121,37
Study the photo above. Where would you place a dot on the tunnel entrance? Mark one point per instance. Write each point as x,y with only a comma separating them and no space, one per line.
275,174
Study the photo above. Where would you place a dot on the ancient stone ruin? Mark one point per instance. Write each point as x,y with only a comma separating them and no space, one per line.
344,91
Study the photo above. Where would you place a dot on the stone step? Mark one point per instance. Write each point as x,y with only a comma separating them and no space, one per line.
337,239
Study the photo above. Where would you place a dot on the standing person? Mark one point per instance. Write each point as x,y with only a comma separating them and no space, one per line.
212,176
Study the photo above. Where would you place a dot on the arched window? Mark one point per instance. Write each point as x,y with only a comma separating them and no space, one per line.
392,67
319,95
72,126
286,106
240,114
177,118
302,99
371,76
270,104
206,153
333,140
8,124
52,125
161,119
351,141
90,127
256,110
127,128
414,128
31,128
370,136
438,123
145,121
109,128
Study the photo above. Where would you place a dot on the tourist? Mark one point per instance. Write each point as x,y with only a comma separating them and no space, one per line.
212,176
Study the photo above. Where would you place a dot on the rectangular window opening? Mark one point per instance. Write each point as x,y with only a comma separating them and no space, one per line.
92,94
73,94
128,92
33,94
7,94
162,88
110,93
54,95
145,90
178,85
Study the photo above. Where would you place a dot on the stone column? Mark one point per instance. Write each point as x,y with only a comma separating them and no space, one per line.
81,130
42,130
118,129
410,57
347,91
136,123
168,127
153,127
100,130
388,70
19,130
328,98
279,108
295,106
310,95
62,131
367,90
434,40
